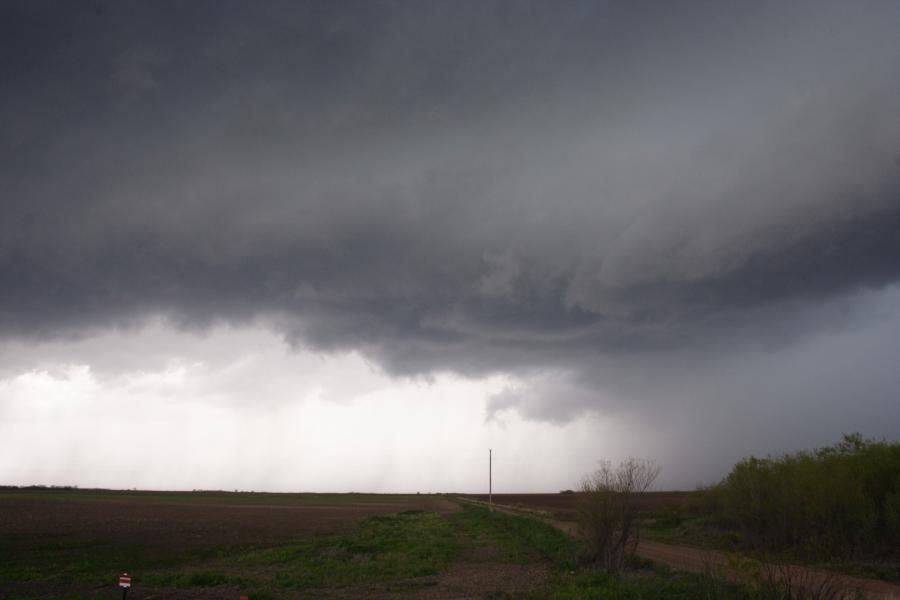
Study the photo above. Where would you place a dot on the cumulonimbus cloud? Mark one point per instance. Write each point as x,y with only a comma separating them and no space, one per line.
473,188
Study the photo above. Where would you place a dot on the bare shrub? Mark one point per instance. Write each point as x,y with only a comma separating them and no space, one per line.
774,579
793,582
608,510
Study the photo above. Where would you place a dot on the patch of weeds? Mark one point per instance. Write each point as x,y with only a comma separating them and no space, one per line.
11,571
521,539
694,531
257,594
192,579
633,585
385,548
88,561
410,585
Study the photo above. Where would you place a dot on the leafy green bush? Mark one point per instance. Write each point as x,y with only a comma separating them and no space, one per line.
833,502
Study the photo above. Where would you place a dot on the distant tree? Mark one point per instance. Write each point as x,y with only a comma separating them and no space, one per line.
608,510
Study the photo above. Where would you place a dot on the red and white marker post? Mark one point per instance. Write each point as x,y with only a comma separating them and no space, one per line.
125,584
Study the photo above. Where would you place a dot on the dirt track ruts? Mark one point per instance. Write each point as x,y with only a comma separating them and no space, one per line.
701,560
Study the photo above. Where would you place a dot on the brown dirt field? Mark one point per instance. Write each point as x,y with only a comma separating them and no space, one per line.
184,526
563,506
164,526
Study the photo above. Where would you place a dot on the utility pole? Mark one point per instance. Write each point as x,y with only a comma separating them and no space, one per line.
490,480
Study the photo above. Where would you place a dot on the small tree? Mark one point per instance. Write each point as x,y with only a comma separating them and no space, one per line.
608,510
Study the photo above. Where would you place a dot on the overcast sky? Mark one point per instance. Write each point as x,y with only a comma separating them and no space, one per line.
351,246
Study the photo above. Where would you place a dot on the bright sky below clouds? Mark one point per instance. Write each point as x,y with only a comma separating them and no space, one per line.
236,409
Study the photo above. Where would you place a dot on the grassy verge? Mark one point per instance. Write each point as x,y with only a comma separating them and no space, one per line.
528,539
520,539
382,549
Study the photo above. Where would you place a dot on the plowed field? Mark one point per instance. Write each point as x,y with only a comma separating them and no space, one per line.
563,506
73,543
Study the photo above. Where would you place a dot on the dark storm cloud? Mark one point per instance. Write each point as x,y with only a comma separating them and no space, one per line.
463,186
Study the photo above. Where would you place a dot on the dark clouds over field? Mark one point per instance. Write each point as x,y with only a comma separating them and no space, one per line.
674,204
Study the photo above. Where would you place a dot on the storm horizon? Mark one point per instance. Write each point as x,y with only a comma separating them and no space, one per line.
317,246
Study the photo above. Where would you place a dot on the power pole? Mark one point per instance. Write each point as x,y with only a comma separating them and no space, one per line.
490,480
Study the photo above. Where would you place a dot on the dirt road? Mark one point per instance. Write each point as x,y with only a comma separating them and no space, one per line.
700,560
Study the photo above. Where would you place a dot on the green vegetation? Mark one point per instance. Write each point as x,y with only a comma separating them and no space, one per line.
83,561
408,545
642,584
403,554
835,507
520,539
404,546
838,501
529,540
704,531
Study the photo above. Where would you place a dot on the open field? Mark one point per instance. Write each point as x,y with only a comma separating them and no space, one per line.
184,521
58,542
73,544
563,506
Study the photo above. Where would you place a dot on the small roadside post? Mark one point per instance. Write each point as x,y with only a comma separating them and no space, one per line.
125,584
